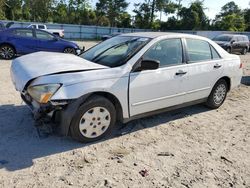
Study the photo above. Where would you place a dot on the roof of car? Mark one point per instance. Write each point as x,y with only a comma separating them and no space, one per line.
159,34
231,35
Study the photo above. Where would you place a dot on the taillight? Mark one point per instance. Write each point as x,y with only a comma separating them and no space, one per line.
241,65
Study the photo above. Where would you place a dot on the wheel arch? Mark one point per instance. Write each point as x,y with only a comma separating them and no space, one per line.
6,43
228,81
67,115
113,99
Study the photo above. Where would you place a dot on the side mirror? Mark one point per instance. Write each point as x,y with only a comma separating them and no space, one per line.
55,39
146,64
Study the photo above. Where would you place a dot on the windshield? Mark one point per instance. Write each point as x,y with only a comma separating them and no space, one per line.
223,38
116,51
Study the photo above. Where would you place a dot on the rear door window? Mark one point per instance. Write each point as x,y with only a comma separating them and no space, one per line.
43,35
198,50
23,33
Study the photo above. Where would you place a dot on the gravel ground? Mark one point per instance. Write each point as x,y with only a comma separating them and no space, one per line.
190,147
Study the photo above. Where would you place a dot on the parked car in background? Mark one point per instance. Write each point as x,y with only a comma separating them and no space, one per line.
233,43
123,78
58,32
19,41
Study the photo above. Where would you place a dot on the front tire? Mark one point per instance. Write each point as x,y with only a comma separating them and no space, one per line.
218,94
229,50
69,51
7,52
94,120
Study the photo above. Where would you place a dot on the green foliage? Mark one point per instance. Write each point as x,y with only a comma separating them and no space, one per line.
247,19
142,18
231,22
194,18
231,18
2,13
112,9
113,13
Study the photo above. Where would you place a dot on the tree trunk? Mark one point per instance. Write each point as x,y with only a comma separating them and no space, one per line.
152,12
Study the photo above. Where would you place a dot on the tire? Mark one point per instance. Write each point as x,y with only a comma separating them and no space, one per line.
229,50
218,94
7,52
94,120
244,51
69,51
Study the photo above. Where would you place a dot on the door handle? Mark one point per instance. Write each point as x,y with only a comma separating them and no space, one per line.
180,72
217,66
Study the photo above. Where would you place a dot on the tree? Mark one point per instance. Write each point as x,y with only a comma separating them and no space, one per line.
13,9
38,10
194,18
228,9
60,13
124,20
145,12
142,17
2,13
247,19
112,9
230,18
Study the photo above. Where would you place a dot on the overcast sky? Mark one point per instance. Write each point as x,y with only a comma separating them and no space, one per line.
213,6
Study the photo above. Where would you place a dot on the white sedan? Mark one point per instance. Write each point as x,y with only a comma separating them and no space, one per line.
126,77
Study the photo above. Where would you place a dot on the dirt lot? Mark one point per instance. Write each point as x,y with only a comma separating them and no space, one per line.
190,147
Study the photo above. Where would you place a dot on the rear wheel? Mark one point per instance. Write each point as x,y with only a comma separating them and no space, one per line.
218,94
244,51
70,51
94,120
229,50
7,52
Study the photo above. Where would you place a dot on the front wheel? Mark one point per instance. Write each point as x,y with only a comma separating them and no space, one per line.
218,94
7,52
70,51
229,50
94,120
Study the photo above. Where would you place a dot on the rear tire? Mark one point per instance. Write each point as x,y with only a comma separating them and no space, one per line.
244,51
69,51
94,120
7,52
218,94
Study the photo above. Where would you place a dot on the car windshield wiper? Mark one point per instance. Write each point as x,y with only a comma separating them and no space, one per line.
113,47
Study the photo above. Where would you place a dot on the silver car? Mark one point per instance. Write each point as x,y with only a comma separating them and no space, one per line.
123,78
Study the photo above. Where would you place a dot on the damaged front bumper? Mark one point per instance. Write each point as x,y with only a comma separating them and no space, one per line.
46,114
58,113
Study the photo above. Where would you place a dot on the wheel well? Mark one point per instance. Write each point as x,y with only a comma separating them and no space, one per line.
9,45
114,101
228,81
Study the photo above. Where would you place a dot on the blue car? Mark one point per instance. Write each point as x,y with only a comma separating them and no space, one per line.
18,41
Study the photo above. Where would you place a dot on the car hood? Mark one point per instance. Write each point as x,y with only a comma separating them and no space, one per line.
29,67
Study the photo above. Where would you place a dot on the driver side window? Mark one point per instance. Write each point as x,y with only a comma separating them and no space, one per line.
168,52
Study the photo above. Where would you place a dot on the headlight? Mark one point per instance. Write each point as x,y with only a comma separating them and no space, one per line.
43,93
